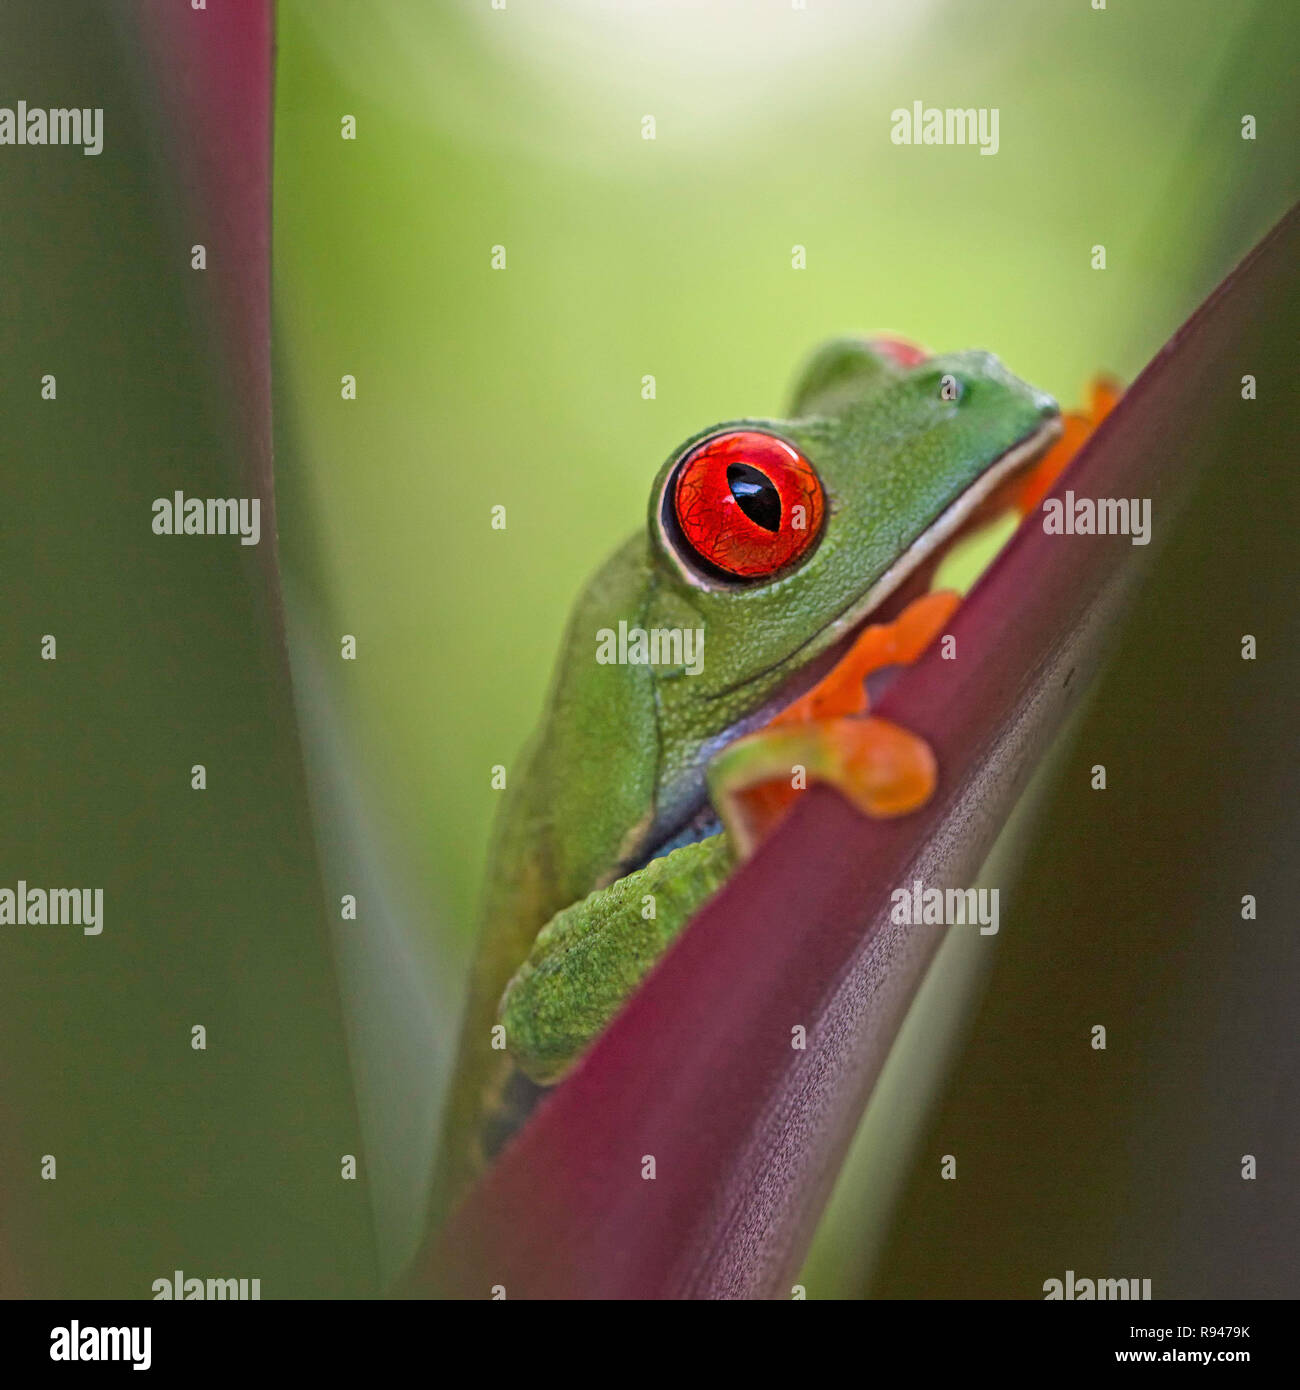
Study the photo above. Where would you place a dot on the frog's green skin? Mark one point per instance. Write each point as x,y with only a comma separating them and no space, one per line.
617,767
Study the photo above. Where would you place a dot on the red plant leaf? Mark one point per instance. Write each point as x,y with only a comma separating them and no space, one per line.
212,73
746,1132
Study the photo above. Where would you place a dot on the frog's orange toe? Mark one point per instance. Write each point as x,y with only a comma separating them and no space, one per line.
1077,427
900,350
843,689
882,769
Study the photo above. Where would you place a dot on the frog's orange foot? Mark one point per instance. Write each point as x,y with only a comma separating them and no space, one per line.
881,768
1077,427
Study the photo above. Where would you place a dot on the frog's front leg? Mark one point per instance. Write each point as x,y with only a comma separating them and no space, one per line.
588,959
882,769
590,956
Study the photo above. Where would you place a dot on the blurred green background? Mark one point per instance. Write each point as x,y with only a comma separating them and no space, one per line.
626,257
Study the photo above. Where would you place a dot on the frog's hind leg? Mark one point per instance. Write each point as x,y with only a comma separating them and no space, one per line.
590,957
507,1104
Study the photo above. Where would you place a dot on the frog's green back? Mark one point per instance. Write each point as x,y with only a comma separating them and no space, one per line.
586,776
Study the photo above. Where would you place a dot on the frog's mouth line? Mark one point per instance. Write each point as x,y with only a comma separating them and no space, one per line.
987,498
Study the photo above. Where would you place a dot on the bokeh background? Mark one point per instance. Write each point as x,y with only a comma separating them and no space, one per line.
522,127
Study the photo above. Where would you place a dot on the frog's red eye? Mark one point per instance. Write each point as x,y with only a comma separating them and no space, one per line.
747,504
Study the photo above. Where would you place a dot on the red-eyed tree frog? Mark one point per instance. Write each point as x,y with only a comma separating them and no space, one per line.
713,666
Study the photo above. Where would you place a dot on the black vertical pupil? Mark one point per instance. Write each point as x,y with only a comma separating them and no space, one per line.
755,495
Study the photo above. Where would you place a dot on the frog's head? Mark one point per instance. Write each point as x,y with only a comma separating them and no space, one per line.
781,539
